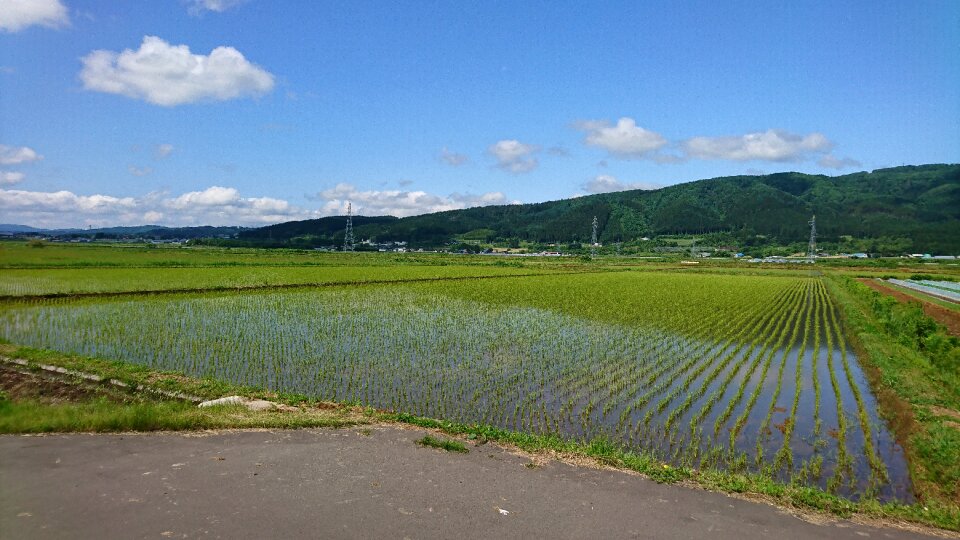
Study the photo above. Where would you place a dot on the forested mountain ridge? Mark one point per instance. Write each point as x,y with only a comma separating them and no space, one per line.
919,205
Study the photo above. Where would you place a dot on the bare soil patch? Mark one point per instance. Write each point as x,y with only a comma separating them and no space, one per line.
20,385
944,316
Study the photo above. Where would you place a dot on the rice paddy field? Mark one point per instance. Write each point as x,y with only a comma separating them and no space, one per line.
746,373
21,282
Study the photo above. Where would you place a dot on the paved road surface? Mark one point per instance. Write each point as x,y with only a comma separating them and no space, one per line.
347,484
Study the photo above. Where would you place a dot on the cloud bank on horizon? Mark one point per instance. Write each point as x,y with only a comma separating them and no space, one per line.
219,205
360,111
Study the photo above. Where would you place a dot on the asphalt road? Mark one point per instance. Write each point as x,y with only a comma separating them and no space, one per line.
348,484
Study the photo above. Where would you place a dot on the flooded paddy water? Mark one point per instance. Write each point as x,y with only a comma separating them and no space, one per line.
773,389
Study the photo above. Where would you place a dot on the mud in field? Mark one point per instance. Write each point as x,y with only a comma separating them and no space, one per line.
944,316
21,385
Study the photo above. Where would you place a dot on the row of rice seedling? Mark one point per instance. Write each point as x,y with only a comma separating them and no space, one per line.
733,348
878,469
780,321
765,430
693,351
742,419
34,282
648,366
759,343
687,447
759,357
784,456
843,460
743,344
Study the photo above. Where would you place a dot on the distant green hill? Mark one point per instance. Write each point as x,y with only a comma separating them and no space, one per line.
919,205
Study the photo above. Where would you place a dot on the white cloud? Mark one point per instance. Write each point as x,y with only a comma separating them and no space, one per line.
139,171
213,206
400,203
514,156
770,145
15,15
628,141
163,150
452,158
11,177
212,196
15,155
605,183
59,201
170,75
830,162
625,139
197,7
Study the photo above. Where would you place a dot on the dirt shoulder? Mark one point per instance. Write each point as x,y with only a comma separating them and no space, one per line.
950,319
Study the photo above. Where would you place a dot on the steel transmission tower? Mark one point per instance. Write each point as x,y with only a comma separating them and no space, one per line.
812,246
593,238
348,234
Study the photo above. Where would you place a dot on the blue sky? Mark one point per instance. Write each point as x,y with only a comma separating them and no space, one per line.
188,112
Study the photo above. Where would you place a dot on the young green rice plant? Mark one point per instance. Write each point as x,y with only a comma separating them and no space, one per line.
667,376
784,456
80,281
760,355
843,461
758,389
765,423
725,352
817,421
876,464
755,350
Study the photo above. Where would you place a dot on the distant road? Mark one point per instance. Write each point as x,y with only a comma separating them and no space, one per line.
348,484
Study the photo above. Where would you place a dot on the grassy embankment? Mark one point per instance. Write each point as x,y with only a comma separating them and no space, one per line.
105,407
914,367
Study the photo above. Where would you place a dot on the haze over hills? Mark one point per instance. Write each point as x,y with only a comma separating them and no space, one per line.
915,207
